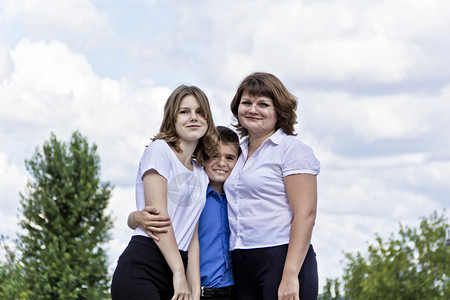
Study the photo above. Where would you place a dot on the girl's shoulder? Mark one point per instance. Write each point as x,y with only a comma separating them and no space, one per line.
159,144
158,148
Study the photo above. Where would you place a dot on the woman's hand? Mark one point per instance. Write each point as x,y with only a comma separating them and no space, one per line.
289,287
181,287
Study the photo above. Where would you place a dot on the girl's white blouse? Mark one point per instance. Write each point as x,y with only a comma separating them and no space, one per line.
186,190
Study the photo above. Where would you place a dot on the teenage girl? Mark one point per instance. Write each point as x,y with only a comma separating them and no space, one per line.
171,178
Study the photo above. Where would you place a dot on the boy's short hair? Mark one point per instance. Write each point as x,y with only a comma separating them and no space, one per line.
227,137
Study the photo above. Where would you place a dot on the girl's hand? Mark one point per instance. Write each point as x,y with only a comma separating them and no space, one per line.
181,287
288,289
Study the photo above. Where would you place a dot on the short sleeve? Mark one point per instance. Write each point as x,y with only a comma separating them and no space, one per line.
157,157
299,158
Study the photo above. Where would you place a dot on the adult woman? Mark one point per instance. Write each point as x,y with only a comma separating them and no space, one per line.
171,181
272,196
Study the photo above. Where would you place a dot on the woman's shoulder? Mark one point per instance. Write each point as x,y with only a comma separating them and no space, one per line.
290,141
298,155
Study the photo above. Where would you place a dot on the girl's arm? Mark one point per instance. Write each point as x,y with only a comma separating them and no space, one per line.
302,193
193,270
155,193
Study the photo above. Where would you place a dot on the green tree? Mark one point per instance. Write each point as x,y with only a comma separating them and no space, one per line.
11,274
65,223
415,264
331,290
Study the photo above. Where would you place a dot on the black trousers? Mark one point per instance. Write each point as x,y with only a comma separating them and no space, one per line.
257,273
142,272
218,298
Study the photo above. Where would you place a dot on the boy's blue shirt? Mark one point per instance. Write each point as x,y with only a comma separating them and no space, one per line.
214,236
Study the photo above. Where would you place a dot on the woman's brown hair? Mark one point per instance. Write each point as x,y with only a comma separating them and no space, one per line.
268,85
208,143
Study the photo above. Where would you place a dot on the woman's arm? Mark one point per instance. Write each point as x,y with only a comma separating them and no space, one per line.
149,220
193,270
302,194
155,193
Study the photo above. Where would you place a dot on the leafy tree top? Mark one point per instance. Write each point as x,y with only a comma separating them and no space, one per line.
65,222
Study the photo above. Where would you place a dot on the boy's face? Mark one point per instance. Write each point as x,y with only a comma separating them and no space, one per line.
220,165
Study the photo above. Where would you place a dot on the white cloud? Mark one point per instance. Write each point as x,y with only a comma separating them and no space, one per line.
11,182
330,41
120,205
57,90
304,41
373,118
76,16
6,64
67,20
368,195
371,59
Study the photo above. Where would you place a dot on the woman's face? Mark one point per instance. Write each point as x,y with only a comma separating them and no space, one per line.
257,115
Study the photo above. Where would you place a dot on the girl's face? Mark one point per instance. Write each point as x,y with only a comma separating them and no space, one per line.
190,123
257,115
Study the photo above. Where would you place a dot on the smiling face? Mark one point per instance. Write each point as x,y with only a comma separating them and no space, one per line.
190,123
257,115
220,165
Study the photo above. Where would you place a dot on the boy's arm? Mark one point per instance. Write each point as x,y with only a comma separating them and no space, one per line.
149,220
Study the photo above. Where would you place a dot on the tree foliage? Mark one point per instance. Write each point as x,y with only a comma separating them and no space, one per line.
11,274
65,223
332,290
415,264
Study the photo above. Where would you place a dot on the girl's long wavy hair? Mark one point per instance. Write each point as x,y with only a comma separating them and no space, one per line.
207,145
267,85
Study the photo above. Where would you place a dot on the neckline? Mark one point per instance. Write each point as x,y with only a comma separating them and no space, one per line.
179,161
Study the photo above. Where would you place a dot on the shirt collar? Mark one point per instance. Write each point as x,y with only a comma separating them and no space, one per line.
209,190
277,136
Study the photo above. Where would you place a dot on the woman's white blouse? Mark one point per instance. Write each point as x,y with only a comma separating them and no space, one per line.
186,190
258,207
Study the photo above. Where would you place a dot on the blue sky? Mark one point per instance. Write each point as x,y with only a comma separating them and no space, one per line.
372,79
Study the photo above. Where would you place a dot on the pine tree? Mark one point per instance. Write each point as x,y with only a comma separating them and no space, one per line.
65,222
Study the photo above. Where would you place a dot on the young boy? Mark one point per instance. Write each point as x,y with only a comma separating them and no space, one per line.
215,257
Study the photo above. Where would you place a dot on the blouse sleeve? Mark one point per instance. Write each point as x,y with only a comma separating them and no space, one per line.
300,159
157,157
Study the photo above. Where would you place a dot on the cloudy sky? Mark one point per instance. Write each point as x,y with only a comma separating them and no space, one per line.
372,79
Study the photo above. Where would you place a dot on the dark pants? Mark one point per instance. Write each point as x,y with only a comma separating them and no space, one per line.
142,272
218,298
257,273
